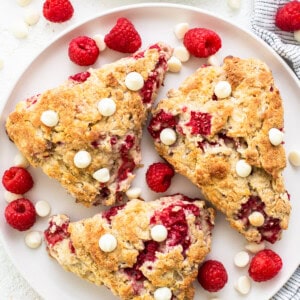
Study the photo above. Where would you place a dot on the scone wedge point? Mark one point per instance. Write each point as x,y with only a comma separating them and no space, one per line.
137,265
222,117
51,128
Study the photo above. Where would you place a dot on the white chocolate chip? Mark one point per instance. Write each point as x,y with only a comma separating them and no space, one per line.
294,158
243,285
1,63
174,64
256,219
31,17
108,242
99,39
213,61
42,208
159,233
102,175
222,89
181,29
134,81
107,107
49,118
254,247
234,4
162,293
181,53
82,159
275,136
20,30
243,169
168,136
23,2
21,161
241,259
134,193
33,239
9,197
297,35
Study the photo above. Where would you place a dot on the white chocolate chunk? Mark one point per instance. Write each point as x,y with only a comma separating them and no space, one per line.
21,161
107,107
168,136
241,259
174,64
31,17
222,89
42,208
275,136
234,4
33,239
181,53
254,247
20,30
134,81
243,285
181,29
108,242
49,118
213,61
82,159
294,158
159,233
23,2
102,175
134,193
9,197
162,293
297,35
256,219
99,39
243,169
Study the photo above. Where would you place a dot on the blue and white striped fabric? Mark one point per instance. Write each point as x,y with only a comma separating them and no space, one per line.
282,42
286,46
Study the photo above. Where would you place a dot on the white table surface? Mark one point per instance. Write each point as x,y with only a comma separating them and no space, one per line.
18,53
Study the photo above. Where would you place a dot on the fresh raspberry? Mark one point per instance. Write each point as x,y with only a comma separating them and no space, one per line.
17,180
200,123
20,214
83,51
202,42
212,275
58,11
158,177
123,37
288,17
265,265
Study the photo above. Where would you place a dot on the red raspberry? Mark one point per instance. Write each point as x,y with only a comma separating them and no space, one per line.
288,17
80,77
212,275
83,51
265,265
158,177
123,37
17,180
202,42
20,214
58,11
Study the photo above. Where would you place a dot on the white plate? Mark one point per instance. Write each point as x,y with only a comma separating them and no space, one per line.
155,22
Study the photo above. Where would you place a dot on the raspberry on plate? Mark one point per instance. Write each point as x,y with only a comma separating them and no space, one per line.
158,177
123,37
17,180
83,51
202,42
265,265
288,17
58,11
20,214
212,275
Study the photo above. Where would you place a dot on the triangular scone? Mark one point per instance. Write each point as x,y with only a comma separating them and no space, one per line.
138,265
112,142
219,140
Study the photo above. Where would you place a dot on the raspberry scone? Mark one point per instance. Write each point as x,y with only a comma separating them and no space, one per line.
86,133
139,250
222,129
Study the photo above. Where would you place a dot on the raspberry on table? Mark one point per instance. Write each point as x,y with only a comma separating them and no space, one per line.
58,11
83,51
212,275
158,176
202,42
17,180
265,265
20,214
123,37
288,17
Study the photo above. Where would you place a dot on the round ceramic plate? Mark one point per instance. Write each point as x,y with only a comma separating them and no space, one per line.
155,23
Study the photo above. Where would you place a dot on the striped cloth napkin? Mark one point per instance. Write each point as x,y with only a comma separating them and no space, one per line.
288,48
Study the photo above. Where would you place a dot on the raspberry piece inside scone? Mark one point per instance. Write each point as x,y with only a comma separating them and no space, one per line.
220,119
137,265
86,133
